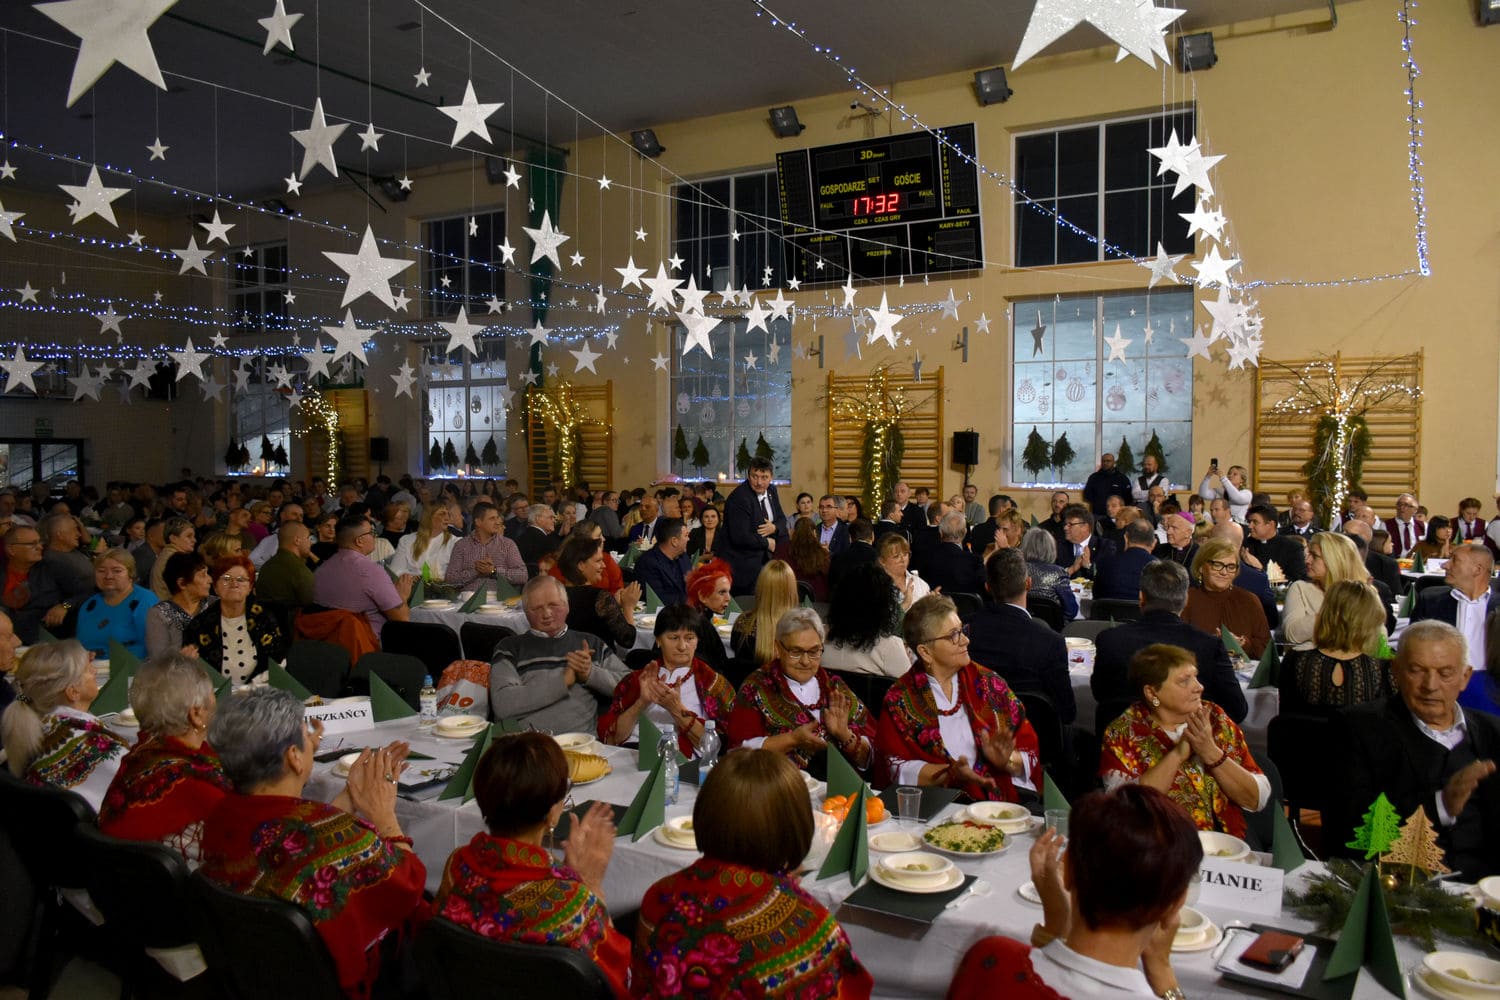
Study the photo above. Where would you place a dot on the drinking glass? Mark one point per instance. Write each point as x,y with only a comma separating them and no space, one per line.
1057,819
909,804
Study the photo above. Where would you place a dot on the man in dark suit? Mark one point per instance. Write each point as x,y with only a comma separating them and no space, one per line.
833,533
1163,595
1118,576
1079,554
519,518
1300,519
861,550
1383,568
890,520
1265,546
664,567
1004,637
539,537
909,515
1465,603
1406,528
644,529
1179,546
949,565
925,540
1422,749
982,535
1105,482
754,527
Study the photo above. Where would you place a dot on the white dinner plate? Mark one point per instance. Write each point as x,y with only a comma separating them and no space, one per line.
895,842
1213,937
126,717
436,602
662,837
929,845
451,729
953,881
1428,986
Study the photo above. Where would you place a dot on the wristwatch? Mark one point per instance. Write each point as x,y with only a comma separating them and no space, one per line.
1173,994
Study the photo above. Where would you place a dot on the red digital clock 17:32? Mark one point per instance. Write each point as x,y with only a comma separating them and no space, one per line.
878,204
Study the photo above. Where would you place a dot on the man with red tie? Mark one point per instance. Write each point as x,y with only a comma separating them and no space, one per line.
1405,528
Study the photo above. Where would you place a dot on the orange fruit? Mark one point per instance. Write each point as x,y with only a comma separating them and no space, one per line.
874,811
833,802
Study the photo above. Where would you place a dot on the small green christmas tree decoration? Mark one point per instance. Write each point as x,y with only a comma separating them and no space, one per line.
1125,458
232,456
450,455
1062,453
435,456
742,458
700,455
679,445
489,456
471,457
1153,447
280,456
1037,454
1418,564
1380,829
764,450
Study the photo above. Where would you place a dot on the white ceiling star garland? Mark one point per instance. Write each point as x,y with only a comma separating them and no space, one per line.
317,142
109,32
469,116
1137,26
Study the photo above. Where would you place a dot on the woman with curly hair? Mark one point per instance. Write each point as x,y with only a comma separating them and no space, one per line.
864,625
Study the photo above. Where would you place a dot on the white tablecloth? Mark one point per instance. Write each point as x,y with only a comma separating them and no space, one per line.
515,620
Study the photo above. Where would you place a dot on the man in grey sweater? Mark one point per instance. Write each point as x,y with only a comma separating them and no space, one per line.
550,678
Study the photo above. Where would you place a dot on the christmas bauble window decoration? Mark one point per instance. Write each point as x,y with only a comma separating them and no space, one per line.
1062,374
1025,392
684,403
1043,404
1076,390
709,413
742,408
1115,398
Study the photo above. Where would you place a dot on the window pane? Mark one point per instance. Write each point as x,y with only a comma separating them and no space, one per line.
1078,161
1036,164
1125,221
1036,239
1167,224
1126,162
1074,247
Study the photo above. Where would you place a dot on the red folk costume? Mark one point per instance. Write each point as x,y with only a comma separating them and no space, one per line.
162,792
1134,744
718,930
511,891
909,726
355,886
714,693
999,966
766,707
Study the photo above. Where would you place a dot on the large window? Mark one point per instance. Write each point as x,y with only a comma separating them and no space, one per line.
462,265
1101,179
258,286
728,231
739,396
261,415
1063,383
465,408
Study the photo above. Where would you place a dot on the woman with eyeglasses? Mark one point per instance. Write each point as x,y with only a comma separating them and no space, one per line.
237,637
504,884
794,707
1217,603
948,721
1331,558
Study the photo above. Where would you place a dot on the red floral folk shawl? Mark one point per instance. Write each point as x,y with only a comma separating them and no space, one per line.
909,726
767,707
356,887
713,691
999,967
162,792
716,930
1134,744
511,891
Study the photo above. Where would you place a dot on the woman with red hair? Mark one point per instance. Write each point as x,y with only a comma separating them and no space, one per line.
237,637
708,591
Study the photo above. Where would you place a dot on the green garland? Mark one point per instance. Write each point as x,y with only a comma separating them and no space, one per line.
880,463
1322,469
1420,910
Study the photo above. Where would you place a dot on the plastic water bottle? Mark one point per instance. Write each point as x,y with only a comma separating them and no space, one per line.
428,702
708,750
673,780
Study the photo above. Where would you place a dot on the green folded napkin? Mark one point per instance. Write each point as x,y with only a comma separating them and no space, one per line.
222,688
851,848
475,600
842,778
1052,796
632,553
653,600
121,658
114,696
648,809
42,635
1384,651
1404,611
1365,941
693,557
1418,564
647,754
734,608
461,784
385,703
426,573
1034,522
1268,671
1232,644
418,593
806,602
278,678
1285,853
504,589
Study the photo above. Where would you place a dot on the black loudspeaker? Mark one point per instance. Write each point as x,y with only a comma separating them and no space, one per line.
965,447
380,449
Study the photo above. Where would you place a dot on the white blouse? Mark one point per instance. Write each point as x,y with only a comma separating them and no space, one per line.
439,550
238,661
806,693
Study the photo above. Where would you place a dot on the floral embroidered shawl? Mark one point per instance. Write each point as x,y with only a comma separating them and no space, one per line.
163,791
713,691
766,707
77,753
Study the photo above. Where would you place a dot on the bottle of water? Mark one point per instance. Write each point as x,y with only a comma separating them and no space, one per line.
673,781
428,702
708,750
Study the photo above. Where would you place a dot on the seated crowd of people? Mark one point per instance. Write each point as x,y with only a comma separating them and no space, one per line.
936,640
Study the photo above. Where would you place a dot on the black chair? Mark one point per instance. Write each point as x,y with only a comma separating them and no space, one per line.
403,673
804,592
1052,740
1086,629
457,964
479,640
1261,825
262,947
1108,711
1296,742
436,645
1048,612
1425,583
321,667
638,658
967,604
1114,609
870,689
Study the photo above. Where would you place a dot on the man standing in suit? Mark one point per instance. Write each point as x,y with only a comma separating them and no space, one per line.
1422,749
754,525
1163,595
1103,483
1406,528
1465,603
1004,637
950,566
1118,576
664,568
861,550
833,533
984,534
1082,547
1265,546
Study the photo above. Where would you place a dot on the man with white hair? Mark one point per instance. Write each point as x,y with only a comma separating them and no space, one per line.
1406,528
1466,603
950,566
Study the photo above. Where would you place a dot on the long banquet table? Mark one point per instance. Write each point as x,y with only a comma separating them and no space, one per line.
515,620
907,960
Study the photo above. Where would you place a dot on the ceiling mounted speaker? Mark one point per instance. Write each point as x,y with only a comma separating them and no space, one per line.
644,141
1195,52
784,122
1489,11
990,87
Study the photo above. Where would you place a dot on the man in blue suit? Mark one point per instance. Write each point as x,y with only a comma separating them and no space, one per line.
1118,575
664,567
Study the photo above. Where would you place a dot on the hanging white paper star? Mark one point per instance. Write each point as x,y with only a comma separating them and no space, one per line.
1203,219
699,330
577,259
1173,155
610,336
539,334
422,76
950,306
640,235
885,322
404,379
7,221
1149,331
399,300
661,361
192,257
781,306
28,294
1117,345
190,361
1194,172
157,150
599,303
294,399
317,360
604,182
982,324
1214,269
794,283
140,375
1228,316
278,28
553,370
692,296
584,359
848,289
799,351
212,389
1198,345
87,384
369,273
750,360
756,316
92,197
545,240
20,371
109,32
661,287
348,339
529,377
675,262
370,139
293,185
317,142
461,333
217,230
505,394
495,304
404,182
512,176
1128,23
630,275
108,321
853,346
1244,351
468,116
7,172
773,353
1162,265
281,375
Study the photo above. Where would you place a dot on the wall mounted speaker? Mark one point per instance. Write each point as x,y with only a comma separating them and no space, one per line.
380,449
965,447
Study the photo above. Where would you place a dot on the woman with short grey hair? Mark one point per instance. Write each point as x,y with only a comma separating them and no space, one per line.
271,841
1049,581
171,779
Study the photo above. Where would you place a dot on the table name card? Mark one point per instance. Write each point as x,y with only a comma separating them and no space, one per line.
1241,888
343,716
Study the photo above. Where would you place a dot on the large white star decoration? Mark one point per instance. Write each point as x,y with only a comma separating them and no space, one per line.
87,384
756,316
1135,25
7,172
192,257
1198,345
369,139
1117,345
317,142
630,275
885,322
157,150
190,361
28,294
92,197
1173,155
369,273
545,240
404,379
400,300
348,339
661,287
1194,171
661,361
584,359
278,28
468,116
217,230
20,371
140,375
1213,269
1228,316
1244,351
212,389
539,334
317,360
982,324
422,76
692,296
781,306
461,333
281,375
1162,265
108,321
794,283
699,329
950,306
848,289
109,32
1203,219
7,221
293,185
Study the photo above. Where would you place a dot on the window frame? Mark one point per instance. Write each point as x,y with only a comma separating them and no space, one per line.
239,289
434,301
767,232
